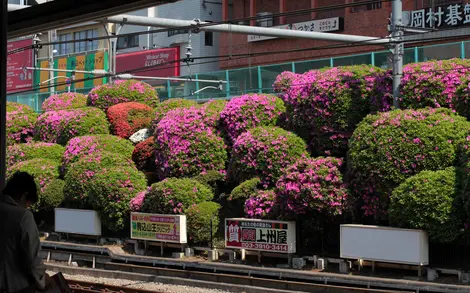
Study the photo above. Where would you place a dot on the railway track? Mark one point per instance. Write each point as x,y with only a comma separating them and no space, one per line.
88,287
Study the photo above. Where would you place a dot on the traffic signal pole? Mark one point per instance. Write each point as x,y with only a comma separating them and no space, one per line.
397,49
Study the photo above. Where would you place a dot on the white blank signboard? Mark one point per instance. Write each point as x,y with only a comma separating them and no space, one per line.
83,222
384,244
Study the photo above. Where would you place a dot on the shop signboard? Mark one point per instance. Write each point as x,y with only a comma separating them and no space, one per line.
451,15
155,227
18,78
318,25
156,63
260,235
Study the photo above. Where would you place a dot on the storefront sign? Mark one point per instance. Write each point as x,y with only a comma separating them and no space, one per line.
157,63
164,228
18,78
261,235
449,15
318,25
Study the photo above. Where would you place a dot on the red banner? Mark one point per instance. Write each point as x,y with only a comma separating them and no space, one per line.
156,63
19,79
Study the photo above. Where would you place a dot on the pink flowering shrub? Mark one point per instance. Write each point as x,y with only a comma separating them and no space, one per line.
390,147
144,155
83,146
110,192
46,176
264,152
249,111
80,173
283,82
430,201
175,196
34,150
213,109
104,96
324,106
171,104
186,145
62,125
20,123
64,101
128,118
313,186
137,202
261,205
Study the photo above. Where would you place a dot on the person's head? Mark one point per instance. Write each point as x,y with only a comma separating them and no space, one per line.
22,188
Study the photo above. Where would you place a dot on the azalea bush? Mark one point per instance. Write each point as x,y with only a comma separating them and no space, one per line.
136,203
429,201
262,205
390,147
246,189
175,196
62,125
83,146
263,152
171,104
211,178
186,145
64,101
20,123
324,106
213,109
121,91
249,111
313,186
46,176
80,173
144,155
34,150
110,192
283,82
128,118
199,218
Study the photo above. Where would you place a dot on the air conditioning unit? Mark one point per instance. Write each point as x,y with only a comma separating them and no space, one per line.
265,19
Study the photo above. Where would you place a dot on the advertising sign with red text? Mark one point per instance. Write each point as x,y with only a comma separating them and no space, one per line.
161,228
18,78
156,63
260,235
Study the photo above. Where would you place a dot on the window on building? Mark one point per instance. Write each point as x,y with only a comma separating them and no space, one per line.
209,39
84,46
125,42
177,32
430,3
66,48
365,7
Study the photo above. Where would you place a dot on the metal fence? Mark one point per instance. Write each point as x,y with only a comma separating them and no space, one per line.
259,79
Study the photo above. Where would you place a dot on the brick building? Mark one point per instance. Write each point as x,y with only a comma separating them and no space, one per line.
365,20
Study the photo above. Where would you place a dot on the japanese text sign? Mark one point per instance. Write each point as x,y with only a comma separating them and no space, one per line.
156,63
18,78
318,25
449,15
261,235
163,228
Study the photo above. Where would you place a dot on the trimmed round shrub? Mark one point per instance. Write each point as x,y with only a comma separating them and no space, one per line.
187,146
433,84
20,123
246,189
121,91
171,104
199,217
82,146
62,125
175,196
34,150
261,205
128,118
144,155
429,201
137,202
313,186
82,171
64,101
211,178
263,152
249,111
390,147
46,174
110,192
324,106
213,109
284,81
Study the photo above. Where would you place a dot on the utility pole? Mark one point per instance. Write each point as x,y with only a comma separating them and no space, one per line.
51,63
397,49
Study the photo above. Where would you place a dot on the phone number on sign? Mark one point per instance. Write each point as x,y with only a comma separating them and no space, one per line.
265,246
